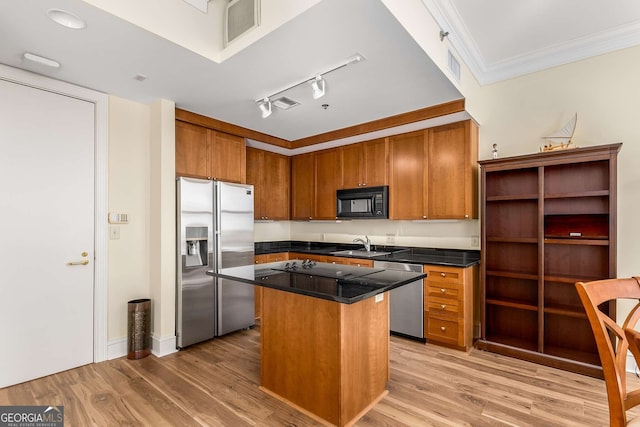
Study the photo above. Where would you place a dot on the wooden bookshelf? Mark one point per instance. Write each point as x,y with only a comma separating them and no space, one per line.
548,221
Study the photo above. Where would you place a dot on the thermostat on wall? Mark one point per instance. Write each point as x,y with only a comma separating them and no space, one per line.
118,218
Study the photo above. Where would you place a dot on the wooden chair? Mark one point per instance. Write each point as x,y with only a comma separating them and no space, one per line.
613,341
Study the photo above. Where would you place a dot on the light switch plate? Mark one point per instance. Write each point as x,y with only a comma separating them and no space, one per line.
118,218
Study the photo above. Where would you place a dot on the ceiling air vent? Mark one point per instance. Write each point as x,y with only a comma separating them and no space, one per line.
454,66
240,16
284,103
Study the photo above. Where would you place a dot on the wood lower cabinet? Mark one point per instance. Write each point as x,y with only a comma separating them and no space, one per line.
208,154
449,305
358,262
549,220
266,258
365,164
310,257
328,358
433,173
263,259
270,175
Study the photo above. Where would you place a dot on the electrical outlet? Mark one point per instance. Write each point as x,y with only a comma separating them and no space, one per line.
114,232
391,238
475,241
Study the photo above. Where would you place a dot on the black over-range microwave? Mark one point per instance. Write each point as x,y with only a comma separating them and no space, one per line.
363,202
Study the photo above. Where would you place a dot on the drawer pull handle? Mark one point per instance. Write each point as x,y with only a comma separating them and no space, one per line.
443,290
443,274
442,328
442,306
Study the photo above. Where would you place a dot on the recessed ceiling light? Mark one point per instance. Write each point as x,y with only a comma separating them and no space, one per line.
66,19
41,60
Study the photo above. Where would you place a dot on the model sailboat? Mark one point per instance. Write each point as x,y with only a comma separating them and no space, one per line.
562,137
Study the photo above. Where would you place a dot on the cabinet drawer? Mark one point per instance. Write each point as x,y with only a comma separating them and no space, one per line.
442,329
444,274
443,290
444,306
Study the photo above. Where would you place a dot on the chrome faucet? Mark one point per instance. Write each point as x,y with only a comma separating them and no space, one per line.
366,243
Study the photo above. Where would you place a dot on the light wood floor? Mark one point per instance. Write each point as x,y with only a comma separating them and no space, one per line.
216,384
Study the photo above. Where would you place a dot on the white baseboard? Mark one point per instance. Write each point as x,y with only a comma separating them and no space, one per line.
159,347
116,348
162,346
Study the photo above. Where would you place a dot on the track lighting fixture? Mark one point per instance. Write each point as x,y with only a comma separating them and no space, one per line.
318,87
265,107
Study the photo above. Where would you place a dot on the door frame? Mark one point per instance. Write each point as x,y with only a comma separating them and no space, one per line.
101,233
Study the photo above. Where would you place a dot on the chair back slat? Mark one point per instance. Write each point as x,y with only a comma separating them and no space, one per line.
611,338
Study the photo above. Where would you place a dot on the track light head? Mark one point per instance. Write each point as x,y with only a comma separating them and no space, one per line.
265,107
318,85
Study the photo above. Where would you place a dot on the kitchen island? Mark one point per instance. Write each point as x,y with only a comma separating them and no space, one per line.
325,335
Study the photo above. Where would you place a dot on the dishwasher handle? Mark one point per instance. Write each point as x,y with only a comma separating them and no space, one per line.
398,266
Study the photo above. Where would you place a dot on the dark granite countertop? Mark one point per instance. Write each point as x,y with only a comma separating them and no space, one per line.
434,256
340,283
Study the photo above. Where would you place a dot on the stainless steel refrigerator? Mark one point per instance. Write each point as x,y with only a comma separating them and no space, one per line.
214,232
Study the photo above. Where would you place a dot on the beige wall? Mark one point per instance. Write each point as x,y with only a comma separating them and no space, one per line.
162,220
429,234
129,163
141,183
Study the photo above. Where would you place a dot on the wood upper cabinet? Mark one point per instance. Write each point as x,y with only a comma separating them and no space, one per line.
452,171
228,157
208,154
407,189
302,186
433,173
327,181
315,178
270,175
193,151
365,164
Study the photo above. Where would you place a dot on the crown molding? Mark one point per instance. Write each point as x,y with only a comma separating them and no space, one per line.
447,17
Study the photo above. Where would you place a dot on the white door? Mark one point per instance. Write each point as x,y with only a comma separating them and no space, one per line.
46,222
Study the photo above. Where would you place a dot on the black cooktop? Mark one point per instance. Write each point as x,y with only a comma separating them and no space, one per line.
334,271
341,283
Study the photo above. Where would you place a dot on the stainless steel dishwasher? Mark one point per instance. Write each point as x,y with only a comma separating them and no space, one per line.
406,303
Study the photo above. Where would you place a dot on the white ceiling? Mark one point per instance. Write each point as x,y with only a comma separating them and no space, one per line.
498,39
502,39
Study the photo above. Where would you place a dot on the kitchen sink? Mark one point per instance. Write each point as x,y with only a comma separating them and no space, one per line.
360,253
